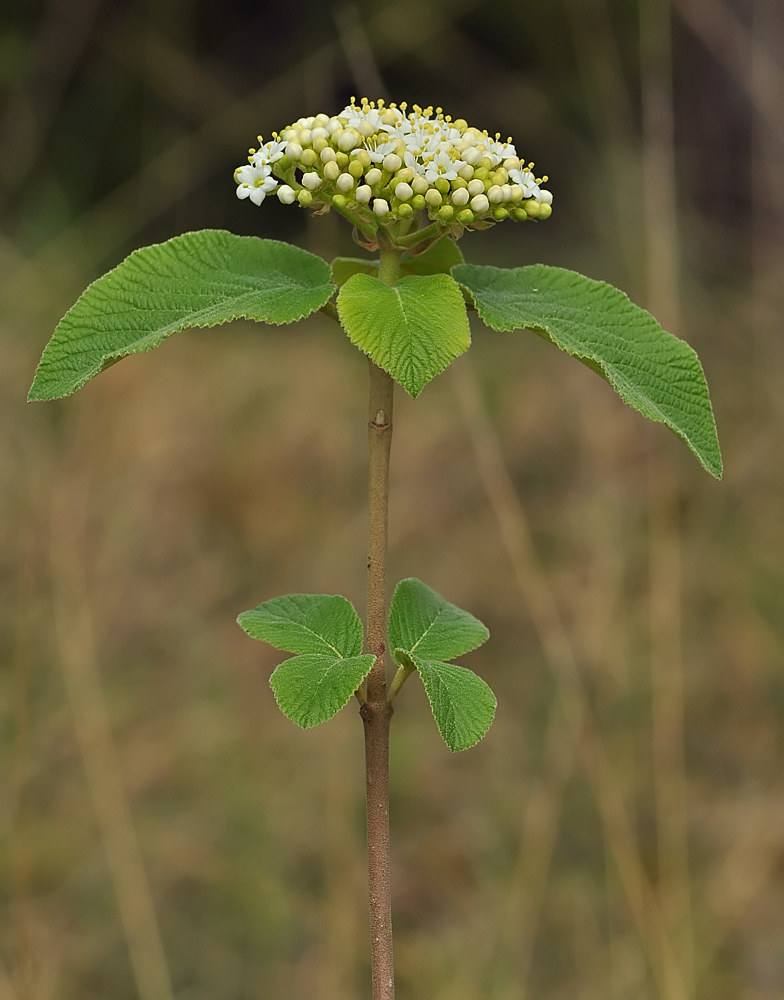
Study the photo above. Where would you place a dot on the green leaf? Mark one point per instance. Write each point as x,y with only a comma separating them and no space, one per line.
199,279
439,258
463,705
422,622
651,370
306,623
412,330
310,689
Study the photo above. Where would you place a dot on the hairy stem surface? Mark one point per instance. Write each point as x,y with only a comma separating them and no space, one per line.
377,711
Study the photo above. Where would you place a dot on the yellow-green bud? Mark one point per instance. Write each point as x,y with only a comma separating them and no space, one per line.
499,214
305,198
466,217
342,160
373,176
519,214
475,187
458,182
532,206
321,144
481,173
517,193
418,202
405,212
327,153
486,163
283,165
363,157
499,176
308,158
345,183
347,141
460,124
356,169
331,171
403,191
339,201
392,162
545,211
460,197
405,174
443,185
445,213
433,198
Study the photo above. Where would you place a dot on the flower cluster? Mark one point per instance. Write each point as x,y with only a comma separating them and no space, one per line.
383,167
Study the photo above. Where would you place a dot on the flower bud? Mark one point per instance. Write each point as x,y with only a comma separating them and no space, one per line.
320,144
327,154
517,193
445,213
331,171
476,187
420,185
356,169
318,133
433,198
480,204
293,150
339,201
471,156
506,191
499,214
373,176
305,198
348,140
304,137
308,158
512,163
345,183
380,207
362,156
403,191
466,217
405,212
363,194
459,197
366,129
481,173
405,174
545,197
545,211
443,185
342,159
519,214
392,162
311,181
532,206
286,194
495,194
333,125
417,202
466,172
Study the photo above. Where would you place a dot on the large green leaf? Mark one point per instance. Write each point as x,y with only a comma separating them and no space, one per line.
422,622
652,370
199,279
463,705
306,623
310,689
412,329
439,258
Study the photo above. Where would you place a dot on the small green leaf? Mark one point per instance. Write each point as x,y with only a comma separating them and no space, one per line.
651,370
311,689
306,623
422,622
412,330
439,258
463,705
199,279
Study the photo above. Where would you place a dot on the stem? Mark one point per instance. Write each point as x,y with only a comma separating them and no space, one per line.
377,712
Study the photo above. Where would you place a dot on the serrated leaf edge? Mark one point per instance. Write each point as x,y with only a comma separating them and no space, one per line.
416,660
312,725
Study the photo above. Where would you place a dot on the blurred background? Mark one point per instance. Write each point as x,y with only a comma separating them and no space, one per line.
166,832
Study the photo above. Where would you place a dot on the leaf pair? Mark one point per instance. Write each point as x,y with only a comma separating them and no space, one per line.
424,631
413,329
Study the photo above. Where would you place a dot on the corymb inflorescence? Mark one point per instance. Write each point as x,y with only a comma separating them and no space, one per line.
384,167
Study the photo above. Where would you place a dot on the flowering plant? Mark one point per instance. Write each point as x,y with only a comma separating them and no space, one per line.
411,184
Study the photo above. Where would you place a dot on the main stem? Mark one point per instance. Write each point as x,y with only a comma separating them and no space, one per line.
376,712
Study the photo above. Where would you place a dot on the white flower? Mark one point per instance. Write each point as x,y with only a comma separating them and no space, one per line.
527,182
254,182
